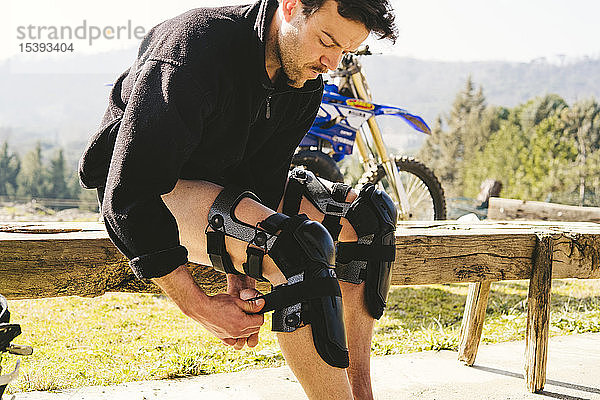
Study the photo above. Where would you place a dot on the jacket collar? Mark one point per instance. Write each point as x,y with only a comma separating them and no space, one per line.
265,9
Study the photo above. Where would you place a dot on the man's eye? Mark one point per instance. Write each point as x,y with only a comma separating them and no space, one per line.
324,44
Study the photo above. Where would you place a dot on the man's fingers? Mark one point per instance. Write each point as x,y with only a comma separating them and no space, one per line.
248,331
247,294
229,341
251,306
253,340
239,343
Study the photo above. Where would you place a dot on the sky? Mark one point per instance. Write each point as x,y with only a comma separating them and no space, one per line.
457,30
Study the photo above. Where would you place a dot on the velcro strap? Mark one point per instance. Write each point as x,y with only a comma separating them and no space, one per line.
219,257
274,223
253,264
339,192
362,275
332,224
285,296
292,197
347,252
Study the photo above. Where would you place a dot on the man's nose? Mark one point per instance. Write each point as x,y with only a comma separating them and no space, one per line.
332,59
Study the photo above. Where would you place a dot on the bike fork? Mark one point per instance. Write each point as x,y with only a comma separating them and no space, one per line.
396,188
389,165
398,191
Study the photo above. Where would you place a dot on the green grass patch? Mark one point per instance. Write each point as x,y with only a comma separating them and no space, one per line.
125,337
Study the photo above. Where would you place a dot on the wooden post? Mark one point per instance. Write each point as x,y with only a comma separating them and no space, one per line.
472,323
538,314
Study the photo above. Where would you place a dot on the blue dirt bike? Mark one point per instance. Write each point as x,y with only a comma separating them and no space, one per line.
340,124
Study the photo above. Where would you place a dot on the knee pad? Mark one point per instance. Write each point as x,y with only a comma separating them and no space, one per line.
304,252
372,215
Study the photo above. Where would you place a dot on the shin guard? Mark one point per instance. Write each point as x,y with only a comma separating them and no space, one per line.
304,252
373,217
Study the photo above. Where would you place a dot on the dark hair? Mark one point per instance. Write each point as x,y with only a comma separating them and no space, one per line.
376,15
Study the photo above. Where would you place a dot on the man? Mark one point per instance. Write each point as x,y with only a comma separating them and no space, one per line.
220,98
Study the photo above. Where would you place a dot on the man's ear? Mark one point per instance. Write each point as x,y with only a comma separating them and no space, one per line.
290,8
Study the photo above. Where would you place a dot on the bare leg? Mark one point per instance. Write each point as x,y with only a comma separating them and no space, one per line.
358,321
359,329
319,380
190,202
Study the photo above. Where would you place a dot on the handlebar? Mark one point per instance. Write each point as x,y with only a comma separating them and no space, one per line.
350,64
363,51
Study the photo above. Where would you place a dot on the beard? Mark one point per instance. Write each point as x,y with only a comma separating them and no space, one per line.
288,50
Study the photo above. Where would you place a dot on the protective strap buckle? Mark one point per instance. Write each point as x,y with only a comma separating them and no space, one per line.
217,252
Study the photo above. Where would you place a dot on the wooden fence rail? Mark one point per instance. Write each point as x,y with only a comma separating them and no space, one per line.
60,259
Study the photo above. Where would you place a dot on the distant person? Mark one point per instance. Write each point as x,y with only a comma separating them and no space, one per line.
212,109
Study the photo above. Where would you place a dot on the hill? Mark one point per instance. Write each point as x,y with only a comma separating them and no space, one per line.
428,88
61,101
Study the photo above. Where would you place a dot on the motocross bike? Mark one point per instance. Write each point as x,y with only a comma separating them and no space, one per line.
340,123
7,333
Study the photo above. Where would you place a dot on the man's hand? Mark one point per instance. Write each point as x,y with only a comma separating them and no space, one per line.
227,316
237,283
242,286
237,323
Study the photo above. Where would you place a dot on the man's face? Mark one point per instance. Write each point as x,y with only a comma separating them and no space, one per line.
309,46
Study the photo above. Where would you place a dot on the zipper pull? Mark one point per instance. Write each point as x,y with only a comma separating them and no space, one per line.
268,108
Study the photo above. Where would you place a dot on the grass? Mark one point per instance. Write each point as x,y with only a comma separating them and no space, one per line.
125,337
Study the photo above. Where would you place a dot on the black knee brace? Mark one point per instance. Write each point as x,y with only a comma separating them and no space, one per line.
373,217
304,252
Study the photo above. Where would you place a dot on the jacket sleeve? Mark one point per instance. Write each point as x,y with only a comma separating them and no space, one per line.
162,123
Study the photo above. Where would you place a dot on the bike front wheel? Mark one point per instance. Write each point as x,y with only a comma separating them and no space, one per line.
319,164
424,191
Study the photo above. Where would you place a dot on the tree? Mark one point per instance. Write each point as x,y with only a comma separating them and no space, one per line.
581,122
546,165
531,154
9,169
536,110
57,182
540,150
32,178
499,159
469,126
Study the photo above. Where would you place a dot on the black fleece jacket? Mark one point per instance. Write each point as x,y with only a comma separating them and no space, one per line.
196,104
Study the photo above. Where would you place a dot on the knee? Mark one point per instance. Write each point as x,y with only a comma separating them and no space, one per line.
316,242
